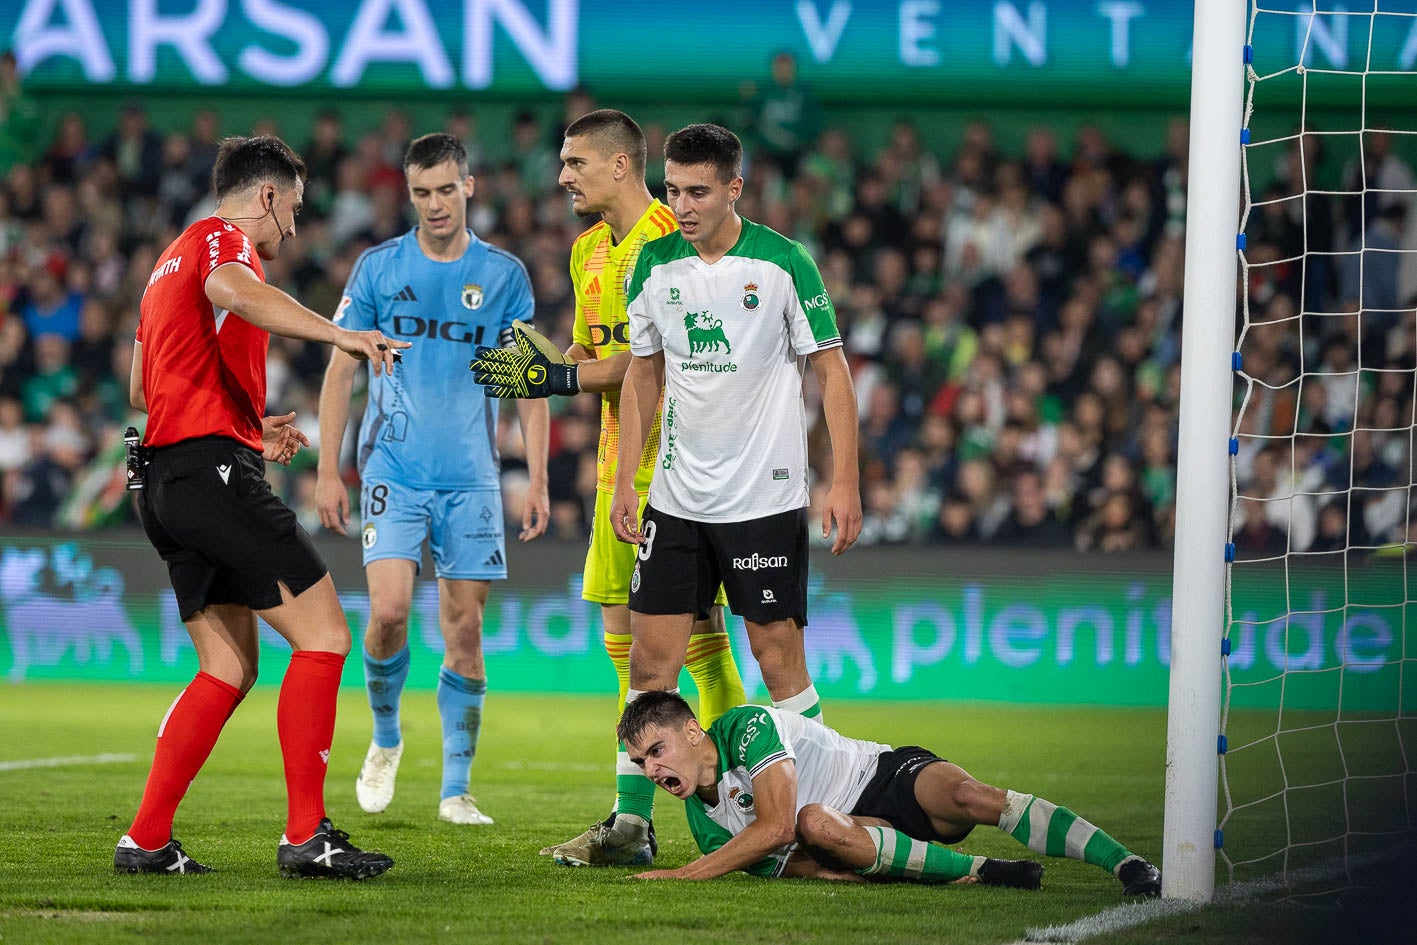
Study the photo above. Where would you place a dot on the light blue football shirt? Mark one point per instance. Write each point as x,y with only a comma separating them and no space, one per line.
428,426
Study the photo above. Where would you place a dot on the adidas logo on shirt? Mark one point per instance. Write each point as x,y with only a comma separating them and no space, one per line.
494,560
405,295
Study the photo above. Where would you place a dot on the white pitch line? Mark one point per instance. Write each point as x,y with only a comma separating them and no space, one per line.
1128,915
67,761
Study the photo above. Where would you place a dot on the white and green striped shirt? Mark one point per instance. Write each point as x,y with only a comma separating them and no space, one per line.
831,769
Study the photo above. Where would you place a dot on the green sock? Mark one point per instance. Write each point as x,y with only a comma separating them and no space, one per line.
634,793
1056,831
908,858
806,704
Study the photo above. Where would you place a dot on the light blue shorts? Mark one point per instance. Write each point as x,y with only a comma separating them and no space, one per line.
463,529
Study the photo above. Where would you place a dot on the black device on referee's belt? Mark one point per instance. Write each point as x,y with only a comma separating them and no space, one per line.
137,458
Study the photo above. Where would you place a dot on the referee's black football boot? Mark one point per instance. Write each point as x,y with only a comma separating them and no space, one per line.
168,858
1016,874
1139,878
329,854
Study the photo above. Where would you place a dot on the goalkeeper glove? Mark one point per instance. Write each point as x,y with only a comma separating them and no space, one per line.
532,369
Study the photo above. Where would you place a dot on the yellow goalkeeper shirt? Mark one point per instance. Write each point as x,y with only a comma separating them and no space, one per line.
600,270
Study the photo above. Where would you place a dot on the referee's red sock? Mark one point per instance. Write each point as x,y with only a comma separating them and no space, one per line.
185,738
305,719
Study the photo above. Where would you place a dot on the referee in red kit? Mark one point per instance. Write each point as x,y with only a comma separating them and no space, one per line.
234,550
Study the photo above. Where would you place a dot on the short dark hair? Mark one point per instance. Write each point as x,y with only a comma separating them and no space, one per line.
707,144
613,132
656,707
246,162
432,150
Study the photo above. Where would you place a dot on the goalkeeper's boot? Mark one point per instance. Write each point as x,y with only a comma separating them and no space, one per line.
461,809
375,787
619,840
328,854
169,858
1017,874
1139,878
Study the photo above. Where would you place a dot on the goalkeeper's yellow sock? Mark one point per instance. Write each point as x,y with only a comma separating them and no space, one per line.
711,665
1056,831
617,647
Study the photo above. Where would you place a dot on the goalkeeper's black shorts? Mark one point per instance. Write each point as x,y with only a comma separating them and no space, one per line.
890,794
226,538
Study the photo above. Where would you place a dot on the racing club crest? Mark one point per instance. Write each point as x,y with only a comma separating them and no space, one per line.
472,296
750,300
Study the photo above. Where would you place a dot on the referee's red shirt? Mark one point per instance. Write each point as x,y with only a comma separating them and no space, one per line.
204,369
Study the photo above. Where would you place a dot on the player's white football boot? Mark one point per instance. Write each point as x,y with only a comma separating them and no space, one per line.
619,840
375,787
461,809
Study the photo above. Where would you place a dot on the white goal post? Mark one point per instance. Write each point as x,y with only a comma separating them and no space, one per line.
1203,469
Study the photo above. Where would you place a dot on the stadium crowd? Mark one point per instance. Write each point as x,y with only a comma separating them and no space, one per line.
1012,319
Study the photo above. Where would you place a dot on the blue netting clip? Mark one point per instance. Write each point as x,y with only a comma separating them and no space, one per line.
1249,54
1222,745
1229,552
1240,241
1234,446
1244,136
1237,361
1219,839
1225,651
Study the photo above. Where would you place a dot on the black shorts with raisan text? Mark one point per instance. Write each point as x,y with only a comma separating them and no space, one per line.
761,563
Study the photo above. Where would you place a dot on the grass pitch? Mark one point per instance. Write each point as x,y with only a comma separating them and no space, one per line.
543,770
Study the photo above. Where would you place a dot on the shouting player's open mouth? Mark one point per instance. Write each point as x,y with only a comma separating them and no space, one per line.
670,783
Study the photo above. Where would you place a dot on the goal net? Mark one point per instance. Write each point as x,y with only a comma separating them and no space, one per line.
1318,725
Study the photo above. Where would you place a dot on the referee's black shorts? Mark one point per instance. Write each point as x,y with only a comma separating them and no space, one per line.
226,538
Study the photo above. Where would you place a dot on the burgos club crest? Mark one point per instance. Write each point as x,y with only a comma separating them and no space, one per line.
472,296
750,301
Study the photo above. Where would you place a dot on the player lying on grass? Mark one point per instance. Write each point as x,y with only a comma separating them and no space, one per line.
775,794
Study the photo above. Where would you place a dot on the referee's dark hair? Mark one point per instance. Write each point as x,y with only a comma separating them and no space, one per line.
246,162
707,144
613,132
656,707
432,150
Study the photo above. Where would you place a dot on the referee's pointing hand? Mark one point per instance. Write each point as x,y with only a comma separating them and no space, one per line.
372,346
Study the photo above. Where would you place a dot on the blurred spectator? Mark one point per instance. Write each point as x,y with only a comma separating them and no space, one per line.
19,116
15,437
323,155
52,309
54,378
1114,528
783,115
136,152
70,153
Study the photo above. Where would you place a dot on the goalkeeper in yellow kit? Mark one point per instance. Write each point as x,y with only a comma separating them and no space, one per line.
603,169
